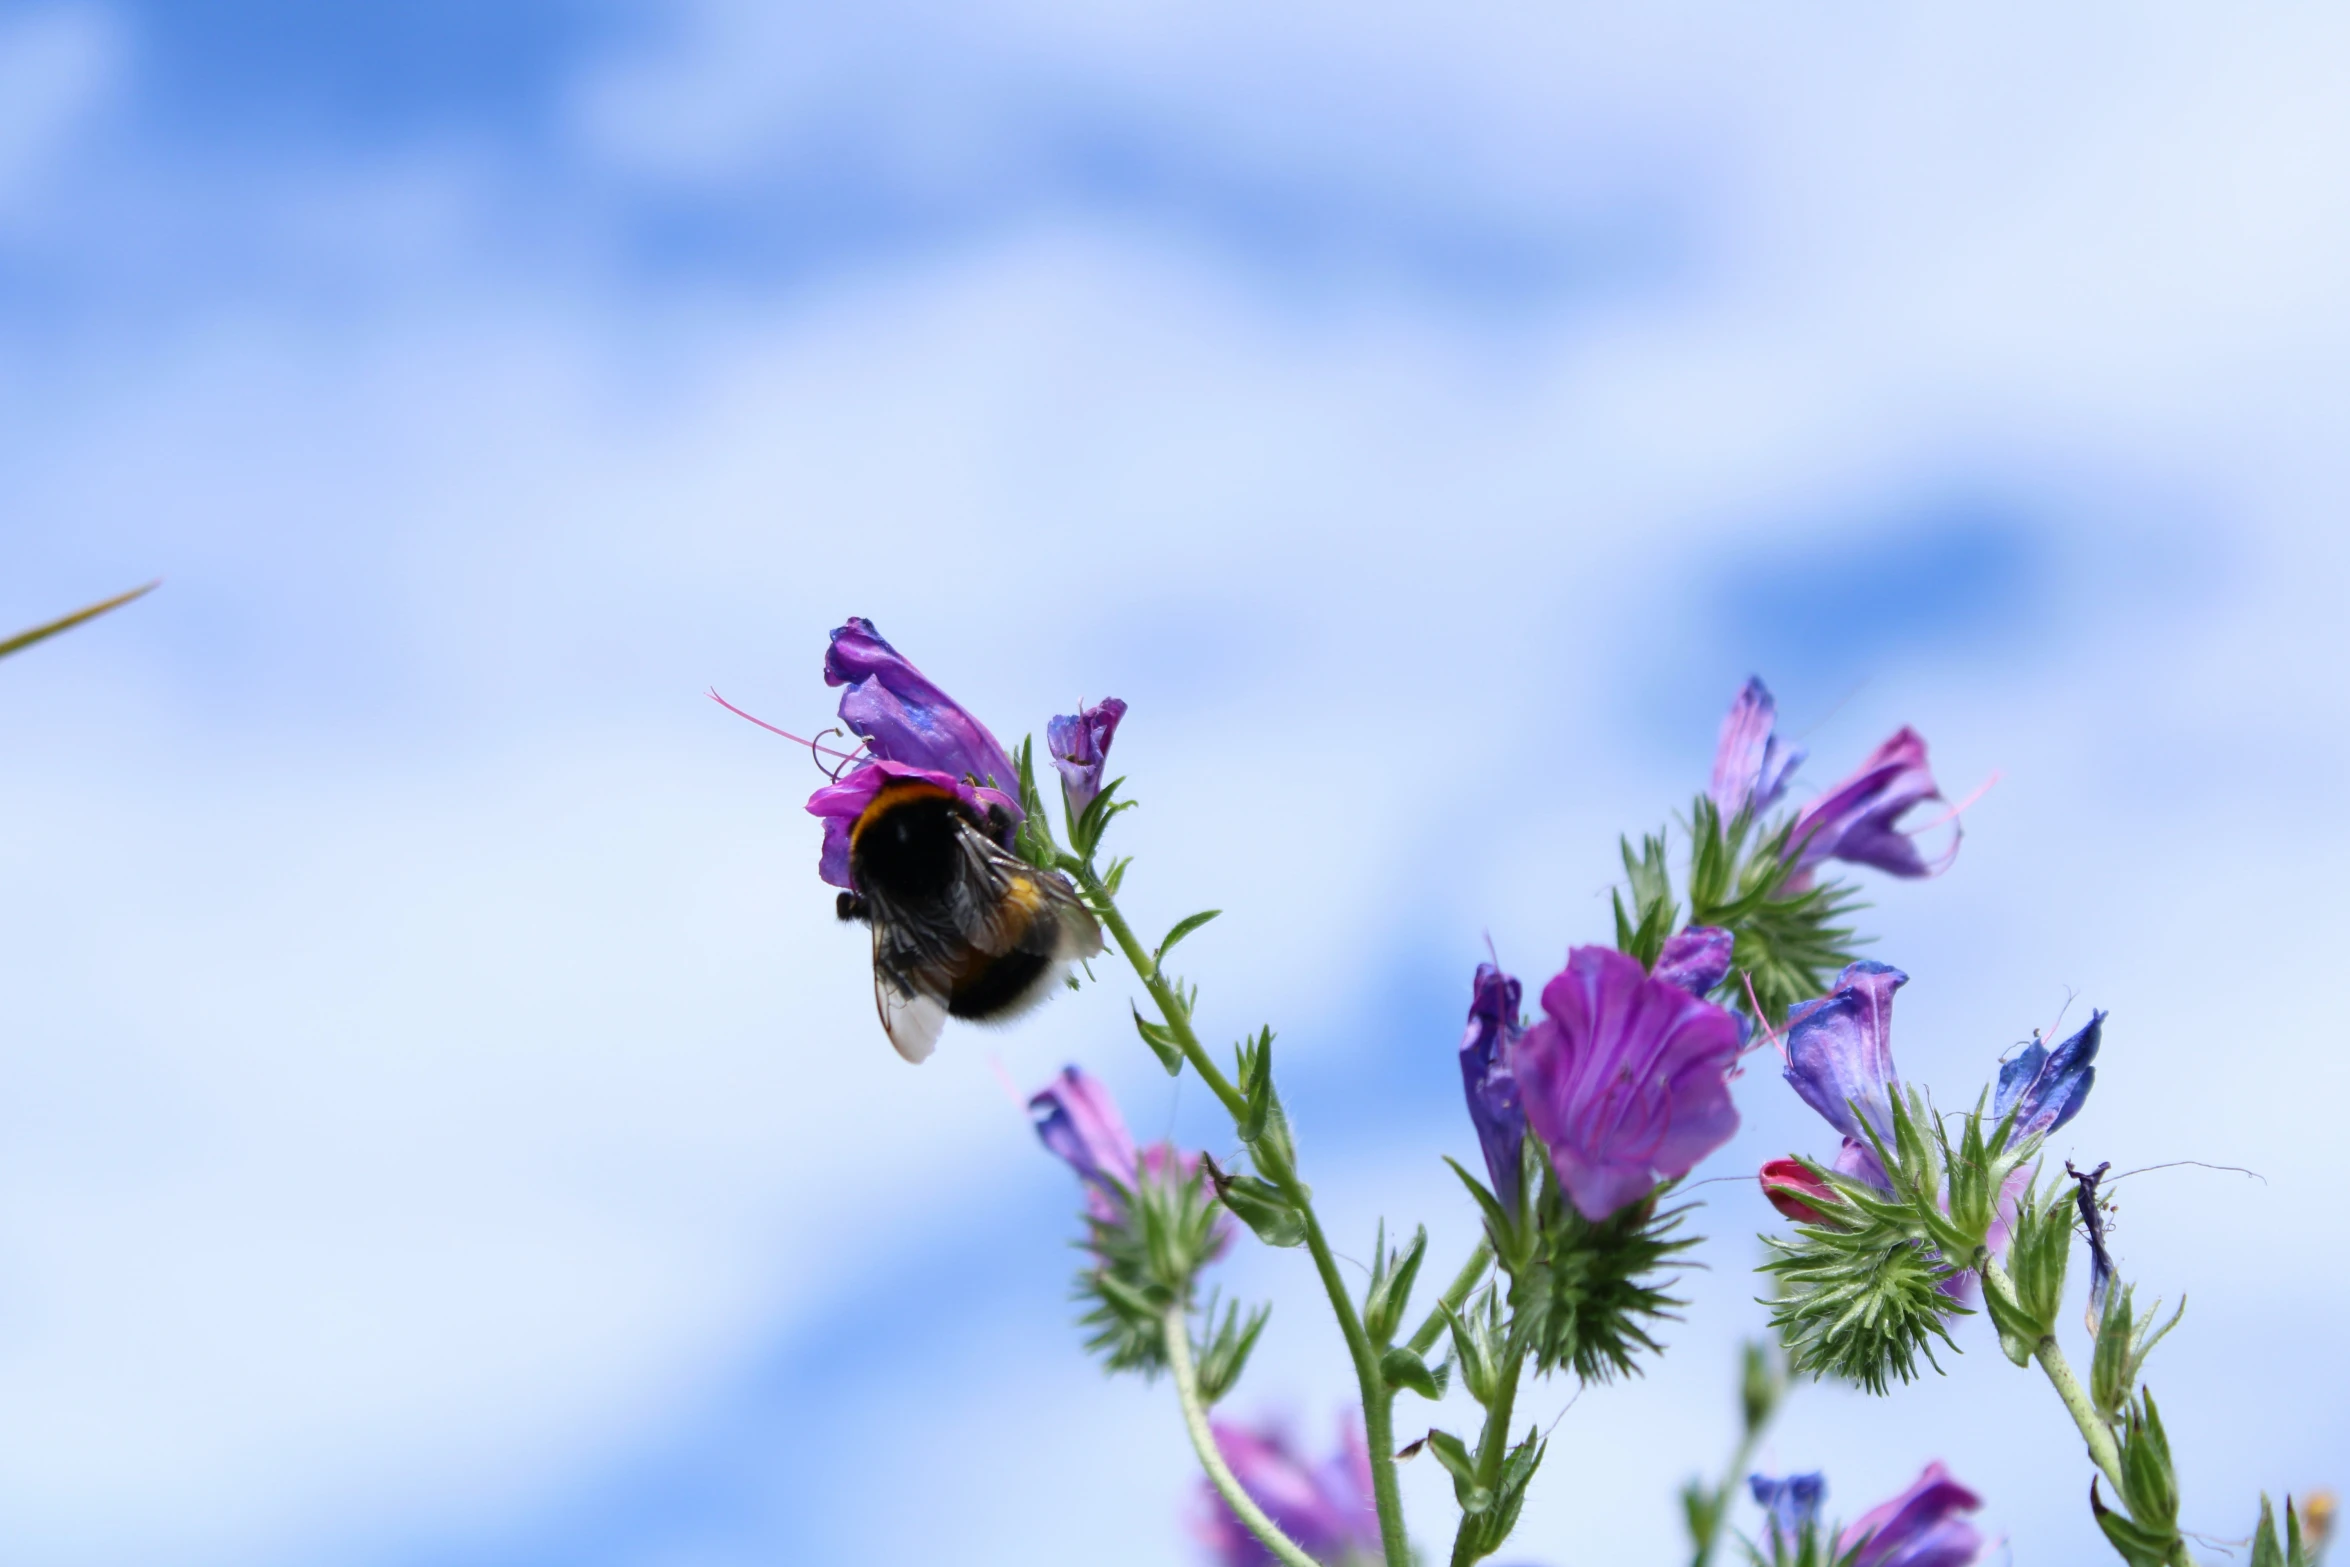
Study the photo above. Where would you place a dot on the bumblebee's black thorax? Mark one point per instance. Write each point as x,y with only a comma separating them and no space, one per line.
907,849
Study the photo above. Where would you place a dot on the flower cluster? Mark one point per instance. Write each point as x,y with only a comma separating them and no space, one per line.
1587,1115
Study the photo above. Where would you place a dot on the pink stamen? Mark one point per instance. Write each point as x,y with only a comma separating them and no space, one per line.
1003,1077
1951,815
1770,1034
846,756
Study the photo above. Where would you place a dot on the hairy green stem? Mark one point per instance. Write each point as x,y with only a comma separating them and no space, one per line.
1177,1328
1378,1417
2104,1452
1454,1293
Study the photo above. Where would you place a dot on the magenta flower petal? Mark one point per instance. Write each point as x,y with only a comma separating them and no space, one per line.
1485,1075
1918,1528
1696,959
1840,1051
1625,1080
906,719
1860,819
840,803
1750,763
1326,1508
1079,744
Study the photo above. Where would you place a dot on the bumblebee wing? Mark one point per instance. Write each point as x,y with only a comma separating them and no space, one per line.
911,1019
1004,904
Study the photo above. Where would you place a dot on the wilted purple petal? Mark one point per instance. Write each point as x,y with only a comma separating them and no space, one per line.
904,718
1918,1528
1750,763
2046,1087
1840,1051
1793,1503
1079,745
1625,1080
1485,1074
1326,1508
1859,820
840,804
1696,959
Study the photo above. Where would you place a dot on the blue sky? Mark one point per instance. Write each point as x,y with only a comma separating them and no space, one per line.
440,1122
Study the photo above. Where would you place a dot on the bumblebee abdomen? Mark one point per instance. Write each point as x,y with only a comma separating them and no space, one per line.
998,985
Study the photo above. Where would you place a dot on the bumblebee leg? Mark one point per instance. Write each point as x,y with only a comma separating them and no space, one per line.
849,906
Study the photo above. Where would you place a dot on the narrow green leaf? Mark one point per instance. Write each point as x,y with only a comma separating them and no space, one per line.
25,639
1183,928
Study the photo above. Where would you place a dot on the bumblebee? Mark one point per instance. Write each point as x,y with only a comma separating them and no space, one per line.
961,927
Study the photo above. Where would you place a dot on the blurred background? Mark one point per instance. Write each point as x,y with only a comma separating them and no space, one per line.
440,1120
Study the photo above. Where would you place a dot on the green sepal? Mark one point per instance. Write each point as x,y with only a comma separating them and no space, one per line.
1225,1355
1161,1039
1086,827
1033,841
1390,1292
1454,1455
1115,876
1478,1344
2036,1257
1399,1367
1259,1204
2124,1341
1762,1383
1486,1529
1145,1257
2133,1542
1643,933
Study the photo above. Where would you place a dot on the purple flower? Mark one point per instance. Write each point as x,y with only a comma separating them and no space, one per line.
1750,763
1485,1073
1625,1080
1079,746
1859,820
1697,959
1793,1505
1840,1051
1076,1118
903,717
1918,1528
1326,1508
911,730
2045,1088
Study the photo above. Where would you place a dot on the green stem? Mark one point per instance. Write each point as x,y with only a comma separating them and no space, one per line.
2104,1452
1195,1420
1378,1418
1454,1293
1740,1457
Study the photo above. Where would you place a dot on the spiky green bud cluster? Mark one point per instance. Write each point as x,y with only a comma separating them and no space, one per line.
1788,941
1144,1262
